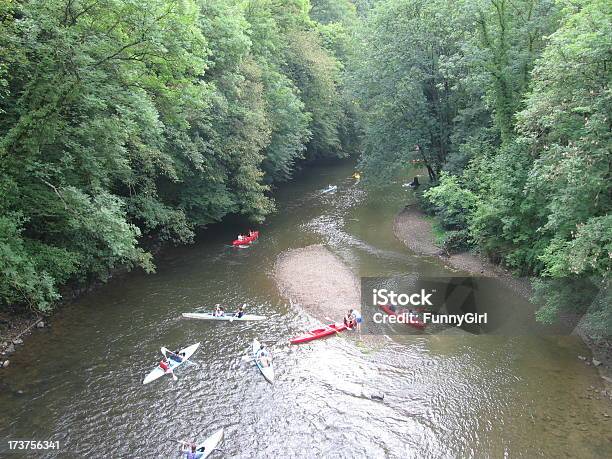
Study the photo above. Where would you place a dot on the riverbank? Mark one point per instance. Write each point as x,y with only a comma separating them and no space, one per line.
306,277
17,322
415,230
13,328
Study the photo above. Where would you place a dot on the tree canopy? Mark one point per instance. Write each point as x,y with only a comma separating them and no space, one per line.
507,104
126,124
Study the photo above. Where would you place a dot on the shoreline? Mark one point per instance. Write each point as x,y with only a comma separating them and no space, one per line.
415,231
17,323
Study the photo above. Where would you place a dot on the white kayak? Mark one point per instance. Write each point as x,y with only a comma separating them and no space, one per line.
329,189
266,371
158,372
227,317
205,449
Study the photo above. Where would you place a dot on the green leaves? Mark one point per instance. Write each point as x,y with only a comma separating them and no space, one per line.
126,123
512,97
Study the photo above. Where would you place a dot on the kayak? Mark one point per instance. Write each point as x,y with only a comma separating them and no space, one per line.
415,322
317,333
158,372
247,240
267,372
209,445
227,317
329,189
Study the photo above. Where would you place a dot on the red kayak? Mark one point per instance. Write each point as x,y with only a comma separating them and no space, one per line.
317,333
415,322
246,240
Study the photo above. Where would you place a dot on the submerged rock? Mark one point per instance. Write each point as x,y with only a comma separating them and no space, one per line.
40,324
17,341
5,364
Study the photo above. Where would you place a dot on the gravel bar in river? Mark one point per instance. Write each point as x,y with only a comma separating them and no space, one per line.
318,281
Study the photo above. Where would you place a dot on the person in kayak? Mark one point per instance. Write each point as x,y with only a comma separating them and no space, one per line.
177,356
219,312
265,359
165,365
240,237
240,311
190,450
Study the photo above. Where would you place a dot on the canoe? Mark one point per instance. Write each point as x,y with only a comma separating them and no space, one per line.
158,372
227,317
416,323
317,333
247,240
209,445
329,189
267,372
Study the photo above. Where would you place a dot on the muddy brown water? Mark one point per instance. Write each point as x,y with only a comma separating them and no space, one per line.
80,382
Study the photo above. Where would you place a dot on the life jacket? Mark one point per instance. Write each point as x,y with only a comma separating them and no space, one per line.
164,365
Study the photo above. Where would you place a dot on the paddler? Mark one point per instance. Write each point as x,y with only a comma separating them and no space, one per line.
190,450
218,311
240,311
177,356
264,357
165,365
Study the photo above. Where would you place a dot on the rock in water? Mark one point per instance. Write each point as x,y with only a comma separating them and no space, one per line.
17,341
596,363
10,348
40,324
5,364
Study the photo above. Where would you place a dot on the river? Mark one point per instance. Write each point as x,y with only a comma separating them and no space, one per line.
80,381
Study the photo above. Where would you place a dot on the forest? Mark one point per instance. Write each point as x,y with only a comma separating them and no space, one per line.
507,105
125,125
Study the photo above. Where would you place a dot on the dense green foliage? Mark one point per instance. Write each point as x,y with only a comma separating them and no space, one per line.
508,104
128,123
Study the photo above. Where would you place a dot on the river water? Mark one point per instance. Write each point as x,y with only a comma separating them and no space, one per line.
80,381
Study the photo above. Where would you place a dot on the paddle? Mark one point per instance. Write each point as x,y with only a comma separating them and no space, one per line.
234,315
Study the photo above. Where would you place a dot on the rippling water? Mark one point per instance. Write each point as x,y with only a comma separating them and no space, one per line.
80,382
